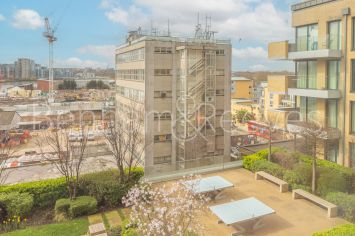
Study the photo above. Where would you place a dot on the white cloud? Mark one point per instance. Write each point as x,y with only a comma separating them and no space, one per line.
27,19
107,51
79,63
2,18
250,53
255,20
259,67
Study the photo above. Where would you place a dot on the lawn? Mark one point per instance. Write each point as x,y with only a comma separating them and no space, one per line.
76,227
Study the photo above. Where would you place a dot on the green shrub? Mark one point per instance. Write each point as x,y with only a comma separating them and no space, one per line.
115,231
269,167
293,177
105,186
301,186
345,203
249,161
342,230
62,206
45,192
128,229
84,205
17,204
330,180
305,172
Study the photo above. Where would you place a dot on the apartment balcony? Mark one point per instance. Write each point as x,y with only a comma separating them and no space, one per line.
316,51
298,127
304,87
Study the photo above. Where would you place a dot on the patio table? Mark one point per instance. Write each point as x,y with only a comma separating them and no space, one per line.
245,215
212,186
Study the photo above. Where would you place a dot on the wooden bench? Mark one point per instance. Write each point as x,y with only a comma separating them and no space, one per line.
263,175
332,209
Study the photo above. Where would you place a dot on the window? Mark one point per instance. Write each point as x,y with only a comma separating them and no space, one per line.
220,72
308,108
162,160
352,75
220,52
352,154
220,92
162,94
134,55
130,74
353,34
134,94
332,113
333,74
334,30
307,38
162,138
352,117
162,116
162,72
306,74
332,149
163,50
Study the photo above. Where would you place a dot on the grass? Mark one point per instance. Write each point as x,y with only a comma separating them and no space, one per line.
113,219
76,227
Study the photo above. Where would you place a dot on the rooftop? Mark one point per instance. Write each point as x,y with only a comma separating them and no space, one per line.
309,3
237,78
6,117
292,217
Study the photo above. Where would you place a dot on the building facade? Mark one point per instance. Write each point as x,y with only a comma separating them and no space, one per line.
184,87
241,88
324,56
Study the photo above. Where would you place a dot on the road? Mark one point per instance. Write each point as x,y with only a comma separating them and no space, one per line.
47,171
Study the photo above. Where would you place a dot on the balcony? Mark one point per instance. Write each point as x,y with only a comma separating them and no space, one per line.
301,87
307,50
328,133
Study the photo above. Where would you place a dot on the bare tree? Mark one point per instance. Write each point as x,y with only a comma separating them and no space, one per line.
313,132
124,136
271,127
67,155
6,153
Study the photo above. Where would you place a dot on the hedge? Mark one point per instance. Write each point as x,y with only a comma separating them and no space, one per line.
81,206
102,185
345,203
342,230
62,206
268,167
105,187
17,204
44,192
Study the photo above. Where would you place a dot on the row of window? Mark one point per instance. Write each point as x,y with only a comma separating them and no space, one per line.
130,74
307,37
134,94
163,50
162,138
162,160
162,72
220,52
134,55
162,116
307,74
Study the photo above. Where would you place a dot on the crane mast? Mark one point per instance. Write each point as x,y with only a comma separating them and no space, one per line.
49,35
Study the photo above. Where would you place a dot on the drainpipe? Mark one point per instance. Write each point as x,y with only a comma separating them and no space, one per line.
346,13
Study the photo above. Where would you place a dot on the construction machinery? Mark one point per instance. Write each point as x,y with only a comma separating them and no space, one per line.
49,35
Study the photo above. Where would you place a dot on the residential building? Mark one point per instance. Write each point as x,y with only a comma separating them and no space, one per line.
7,71
184,86
324,58
24,69
241,88
279,106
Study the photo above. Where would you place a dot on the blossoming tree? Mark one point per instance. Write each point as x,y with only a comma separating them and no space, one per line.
165,210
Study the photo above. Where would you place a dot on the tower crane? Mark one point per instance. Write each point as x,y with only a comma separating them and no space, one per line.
49,35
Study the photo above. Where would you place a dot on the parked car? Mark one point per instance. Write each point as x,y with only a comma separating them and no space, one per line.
91,136
72,137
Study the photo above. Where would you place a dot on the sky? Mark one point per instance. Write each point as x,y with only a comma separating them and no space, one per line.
89,30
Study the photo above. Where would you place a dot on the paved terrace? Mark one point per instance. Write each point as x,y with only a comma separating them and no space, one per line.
293,217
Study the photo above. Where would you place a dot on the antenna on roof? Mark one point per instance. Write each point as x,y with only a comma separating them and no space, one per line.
168,27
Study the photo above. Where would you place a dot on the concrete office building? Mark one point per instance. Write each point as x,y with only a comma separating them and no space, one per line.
184,86
325,68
